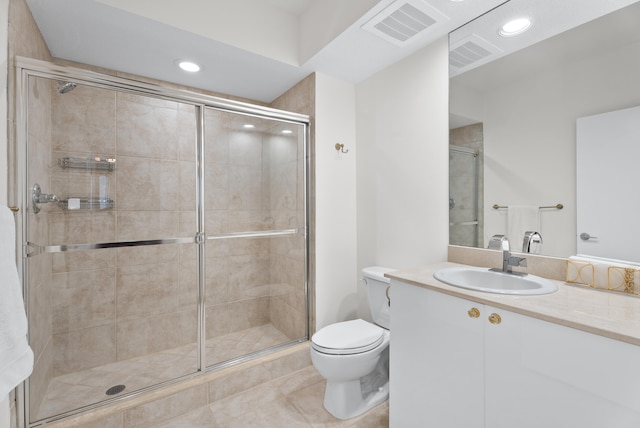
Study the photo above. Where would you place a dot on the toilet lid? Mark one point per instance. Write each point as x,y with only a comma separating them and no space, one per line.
348,337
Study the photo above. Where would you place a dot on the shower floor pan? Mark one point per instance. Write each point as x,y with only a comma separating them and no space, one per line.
76,390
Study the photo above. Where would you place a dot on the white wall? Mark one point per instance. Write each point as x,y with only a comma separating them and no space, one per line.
402,124
336,281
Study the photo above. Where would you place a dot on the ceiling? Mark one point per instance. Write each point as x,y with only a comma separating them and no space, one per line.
255,49
258,49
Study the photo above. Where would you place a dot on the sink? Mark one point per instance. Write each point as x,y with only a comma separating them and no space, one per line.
490,281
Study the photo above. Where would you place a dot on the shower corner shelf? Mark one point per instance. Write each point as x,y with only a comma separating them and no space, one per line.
86,204
96,164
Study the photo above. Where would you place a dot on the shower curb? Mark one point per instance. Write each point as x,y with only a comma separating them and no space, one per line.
200,390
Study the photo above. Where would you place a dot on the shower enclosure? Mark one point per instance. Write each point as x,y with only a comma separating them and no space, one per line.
164,234
464,222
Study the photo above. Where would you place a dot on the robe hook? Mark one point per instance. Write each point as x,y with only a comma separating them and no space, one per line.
340,148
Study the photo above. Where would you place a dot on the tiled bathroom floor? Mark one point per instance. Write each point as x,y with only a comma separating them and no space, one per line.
291,401
75,390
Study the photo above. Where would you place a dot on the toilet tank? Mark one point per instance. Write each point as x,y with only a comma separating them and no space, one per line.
376,286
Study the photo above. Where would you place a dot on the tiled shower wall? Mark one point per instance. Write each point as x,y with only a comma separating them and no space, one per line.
111,305
288,311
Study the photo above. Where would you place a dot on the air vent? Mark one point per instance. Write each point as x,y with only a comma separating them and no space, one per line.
401,21
469,53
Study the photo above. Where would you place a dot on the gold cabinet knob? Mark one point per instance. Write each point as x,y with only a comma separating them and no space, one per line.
474,313
495,318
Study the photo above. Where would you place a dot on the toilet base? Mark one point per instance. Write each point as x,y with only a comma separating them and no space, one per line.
349,399
344,400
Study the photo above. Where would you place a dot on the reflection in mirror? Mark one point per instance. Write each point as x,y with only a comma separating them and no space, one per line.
515,102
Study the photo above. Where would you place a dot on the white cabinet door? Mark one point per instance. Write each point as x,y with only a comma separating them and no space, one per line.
540,374
437,360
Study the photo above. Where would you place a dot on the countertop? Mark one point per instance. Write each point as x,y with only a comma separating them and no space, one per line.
608,314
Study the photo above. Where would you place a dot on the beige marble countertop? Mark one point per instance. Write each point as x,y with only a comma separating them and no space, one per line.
608,314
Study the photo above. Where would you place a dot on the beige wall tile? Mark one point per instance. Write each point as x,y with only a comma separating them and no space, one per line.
216,137
148,184
83,299
82,227
235,316
186,200
39,126
245,189
83,260
127,256
40,318
174,405
145,290
83,349
217,184
187,132
40,377
146,130
142,225
246,273
245,148
83,120
111,421
137,337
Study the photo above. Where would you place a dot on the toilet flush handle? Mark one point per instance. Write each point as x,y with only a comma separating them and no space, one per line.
387,293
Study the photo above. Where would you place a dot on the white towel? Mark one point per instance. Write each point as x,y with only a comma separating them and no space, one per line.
521,219
16,357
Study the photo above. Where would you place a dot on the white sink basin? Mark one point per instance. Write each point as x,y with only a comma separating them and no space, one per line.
483,279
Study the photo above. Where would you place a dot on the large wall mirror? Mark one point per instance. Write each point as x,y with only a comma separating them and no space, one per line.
514,105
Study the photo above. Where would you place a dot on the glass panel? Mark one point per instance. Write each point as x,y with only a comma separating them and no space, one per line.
463,197
255,287
255,295
254,173
122,167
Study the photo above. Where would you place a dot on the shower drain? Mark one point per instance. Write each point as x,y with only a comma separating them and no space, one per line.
115,390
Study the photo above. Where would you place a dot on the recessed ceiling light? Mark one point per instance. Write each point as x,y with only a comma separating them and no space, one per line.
287,131
514,27
248,126
189,66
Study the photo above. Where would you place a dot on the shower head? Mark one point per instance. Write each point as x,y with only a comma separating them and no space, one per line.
64,87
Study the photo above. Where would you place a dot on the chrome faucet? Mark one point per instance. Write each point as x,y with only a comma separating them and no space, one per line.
530,237
501,242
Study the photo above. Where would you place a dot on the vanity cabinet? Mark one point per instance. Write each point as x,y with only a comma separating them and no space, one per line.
457,363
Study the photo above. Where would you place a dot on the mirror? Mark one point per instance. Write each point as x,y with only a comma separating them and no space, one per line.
514,102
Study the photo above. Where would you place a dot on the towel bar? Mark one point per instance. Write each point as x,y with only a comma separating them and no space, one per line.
557,206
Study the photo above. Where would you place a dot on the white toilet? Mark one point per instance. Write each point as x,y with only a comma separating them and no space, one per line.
354,355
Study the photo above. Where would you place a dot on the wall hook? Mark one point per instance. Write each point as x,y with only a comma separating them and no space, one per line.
340,148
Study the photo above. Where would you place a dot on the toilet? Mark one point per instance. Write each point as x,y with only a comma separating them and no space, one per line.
354,355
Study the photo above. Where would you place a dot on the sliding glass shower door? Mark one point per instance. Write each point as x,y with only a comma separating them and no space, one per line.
464,224
165,235
108,173
254,210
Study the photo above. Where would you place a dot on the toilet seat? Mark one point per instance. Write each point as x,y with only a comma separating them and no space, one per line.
348,337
